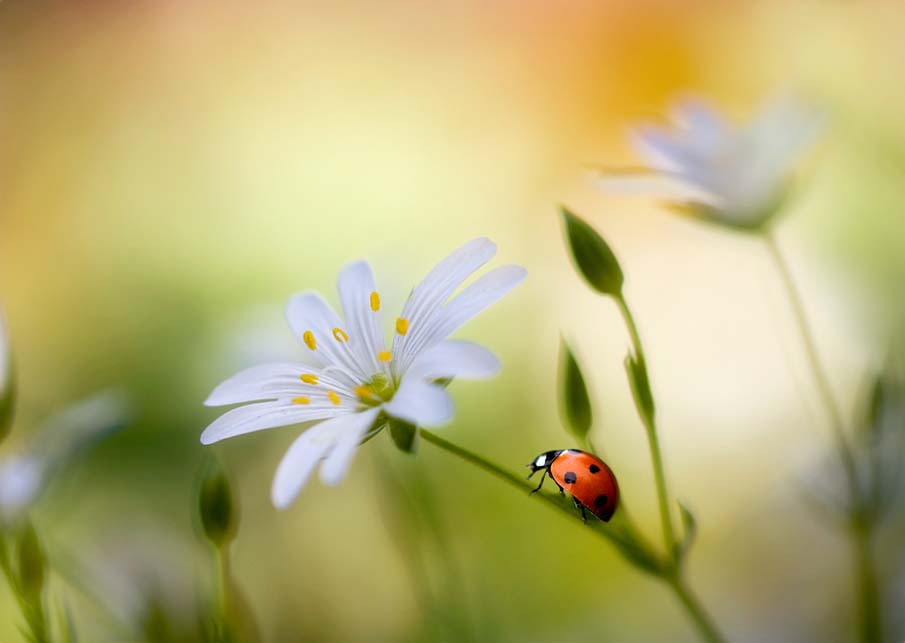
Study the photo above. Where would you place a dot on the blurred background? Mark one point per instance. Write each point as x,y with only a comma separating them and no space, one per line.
171,172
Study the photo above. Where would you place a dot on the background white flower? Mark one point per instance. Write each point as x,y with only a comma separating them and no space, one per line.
358,380
24,476
734,174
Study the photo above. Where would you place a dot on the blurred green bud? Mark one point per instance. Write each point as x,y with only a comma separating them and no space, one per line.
218,512
574,402
32,563
592,256
405,435
689,529
636,369
7,383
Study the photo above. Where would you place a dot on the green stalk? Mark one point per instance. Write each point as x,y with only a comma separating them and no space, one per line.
665,570
861,524
653,441
695,609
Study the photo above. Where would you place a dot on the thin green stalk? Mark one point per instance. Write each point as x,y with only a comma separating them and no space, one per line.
861,524
869,605
224,581
695,609
667,571
32,611
653,441
620,531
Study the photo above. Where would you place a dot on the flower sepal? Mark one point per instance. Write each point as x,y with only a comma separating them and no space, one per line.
404,435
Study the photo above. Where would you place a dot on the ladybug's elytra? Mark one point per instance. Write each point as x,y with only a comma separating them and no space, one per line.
588,478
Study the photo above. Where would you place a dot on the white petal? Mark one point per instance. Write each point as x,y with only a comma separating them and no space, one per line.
420,403
264,382
335,439
356,285
266,415
433,291
660,148
663,185
340,458
299,462
481,294
455,358
307,312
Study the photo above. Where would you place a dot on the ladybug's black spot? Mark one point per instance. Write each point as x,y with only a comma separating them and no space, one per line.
570,477
600,500
594,468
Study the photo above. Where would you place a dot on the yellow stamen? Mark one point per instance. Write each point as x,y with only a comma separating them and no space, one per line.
333,397
340,335
375,301
308,336
402,325
364,392
309,378
384,356
301,400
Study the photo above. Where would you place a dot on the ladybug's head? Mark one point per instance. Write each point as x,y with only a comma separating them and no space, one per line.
543,461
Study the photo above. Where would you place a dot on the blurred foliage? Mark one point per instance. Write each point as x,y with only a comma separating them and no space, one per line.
171,172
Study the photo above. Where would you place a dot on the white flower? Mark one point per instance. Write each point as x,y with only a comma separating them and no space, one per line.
358,379
735,175
24,476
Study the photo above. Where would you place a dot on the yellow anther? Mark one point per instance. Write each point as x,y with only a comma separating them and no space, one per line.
364,392
308,336
308,378
333,397
301,400
340,335
375,301
402,325
384,356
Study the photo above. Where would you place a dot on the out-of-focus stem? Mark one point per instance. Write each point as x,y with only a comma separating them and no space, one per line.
695,609
861,523
653,441
224,581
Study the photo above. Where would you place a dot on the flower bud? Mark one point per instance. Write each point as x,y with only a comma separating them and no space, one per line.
219,515
592,256
574,401
32,563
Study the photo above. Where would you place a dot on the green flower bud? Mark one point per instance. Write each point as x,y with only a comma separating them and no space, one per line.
219,514
592,256
574,401
32,563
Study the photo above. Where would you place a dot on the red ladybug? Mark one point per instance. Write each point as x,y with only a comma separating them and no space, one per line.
588,478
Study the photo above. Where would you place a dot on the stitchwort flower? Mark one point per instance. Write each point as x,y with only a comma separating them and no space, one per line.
734,175
359,384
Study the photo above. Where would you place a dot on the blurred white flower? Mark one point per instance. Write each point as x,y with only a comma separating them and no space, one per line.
736,175
24,476
359,380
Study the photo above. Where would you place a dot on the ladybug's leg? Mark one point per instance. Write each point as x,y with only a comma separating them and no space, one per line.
544,475
580,507
561,491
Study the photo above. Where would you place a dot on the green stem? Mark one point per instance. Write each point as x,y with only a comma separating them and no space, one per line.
869,604
653,441
695,609
32,609
861,524
621,531
223,591
667,571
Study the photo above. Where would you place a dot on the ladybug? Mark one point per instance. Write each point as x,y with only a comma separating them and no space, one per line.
588,478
